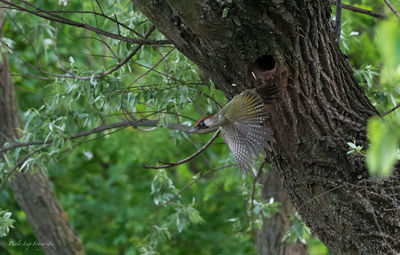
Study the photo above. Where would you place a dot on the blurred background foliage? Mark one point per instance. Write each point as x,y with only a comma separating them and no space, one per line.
114,203
373,48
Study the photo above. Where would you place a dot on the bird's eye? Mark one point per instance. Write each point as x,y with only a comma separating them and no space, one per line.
201,125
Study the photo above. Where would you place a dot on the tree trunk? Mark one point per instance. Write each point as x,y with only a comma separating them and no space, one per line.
270,236
318,108
33,193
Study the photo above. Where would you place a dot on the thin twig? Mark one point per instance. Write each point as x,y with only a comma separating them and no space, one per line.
119,31
91,12
391,110
58,55
95,17
18,26
70,75
53,17
125,123
19,163
166,75
152,111
253,192
391,7
201,176
138,78
360,10
22,161
100,39
151,68
91,139
338,19
22,74
99,55
168,165
101,9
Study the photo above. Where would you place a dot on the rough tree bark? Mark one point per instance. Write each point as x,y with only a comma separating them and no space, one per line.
33,192
319,107
270,236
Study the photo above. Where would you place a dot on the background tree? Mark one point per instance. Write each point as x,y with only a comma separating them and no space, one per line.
33,192
319,111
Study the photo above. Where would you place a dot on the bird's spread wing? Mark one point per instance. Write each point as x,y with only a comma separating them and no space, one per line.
245,133
245,106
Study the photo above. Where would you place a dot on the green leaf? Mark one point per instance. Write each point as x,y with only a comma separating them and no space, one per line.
298,230
5,223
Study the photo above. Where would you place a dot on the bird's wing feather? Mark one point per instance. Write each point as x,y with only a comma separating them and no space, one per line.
245,106
246,145
245,133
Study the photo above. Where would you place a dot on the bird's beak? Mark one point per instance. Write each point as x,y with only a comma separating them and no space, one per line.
192,130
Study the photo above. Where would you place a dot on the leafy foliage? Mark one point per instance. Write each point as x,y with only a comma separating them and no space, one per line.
355,148
5,222
383,151
373,49
298,230
114,203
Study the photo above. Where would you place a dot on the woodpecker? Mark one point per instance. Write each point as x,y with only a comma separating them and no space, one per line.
241,122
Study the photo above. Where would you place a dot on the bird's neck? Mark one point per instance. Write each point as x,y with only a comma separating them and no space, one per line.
215,122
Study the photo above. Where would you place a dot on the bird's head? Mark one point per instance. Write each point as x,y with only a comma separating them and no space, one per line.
202,124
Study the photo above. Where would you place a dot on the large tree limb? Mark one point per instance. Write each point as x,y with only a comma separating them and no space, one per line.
319,107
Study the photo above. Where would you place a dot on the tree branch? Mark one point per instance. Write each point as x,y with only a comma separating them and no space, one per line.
391,110
125,123
201,176
121,63
19,163
71,75
338,19
57,18
253,192
125,112
168,165
22,161
115,20
391,7
360,10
